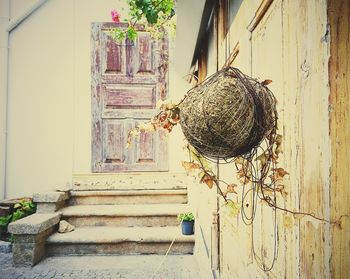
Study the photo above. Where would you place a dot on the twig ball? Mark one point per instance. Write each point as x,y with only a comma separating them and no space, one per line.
228,114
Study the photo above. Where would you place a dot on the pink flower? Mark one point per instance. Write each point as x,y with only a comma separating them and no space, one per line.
115,16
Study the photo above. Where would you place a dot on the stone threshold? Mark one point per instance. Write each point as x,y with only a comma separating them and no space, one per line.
124,181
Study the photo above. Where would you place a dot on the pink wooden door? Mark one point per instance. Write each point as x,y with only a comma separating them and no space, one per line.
127,81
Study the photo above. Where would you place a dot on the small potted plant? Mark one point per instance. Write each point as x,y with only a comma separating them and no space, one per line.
187,222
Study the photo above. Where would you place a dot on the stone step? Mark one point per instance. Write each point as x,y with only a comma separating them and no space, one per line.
128,197
130,215
119,241
130,181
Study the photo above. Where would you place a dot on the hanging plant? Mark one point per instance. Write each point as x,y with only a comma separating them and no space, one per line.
156,15
230,118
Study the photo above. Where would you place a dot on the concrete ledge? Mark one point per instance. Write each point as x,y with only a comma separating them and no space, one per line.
34,224
30,234
51,201
50,197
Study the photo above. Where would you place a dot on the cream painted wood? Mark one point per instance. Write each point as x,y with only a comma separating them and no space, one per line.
286,46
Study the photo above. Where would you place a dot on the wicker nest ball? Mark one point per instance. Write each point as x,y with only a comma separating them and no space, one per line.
228,114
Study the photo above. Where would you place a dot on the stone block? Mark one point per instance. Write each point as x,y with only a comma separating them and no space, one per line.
33,238
28,254
51,201
50,197
28,250
34,224
49,207
30,234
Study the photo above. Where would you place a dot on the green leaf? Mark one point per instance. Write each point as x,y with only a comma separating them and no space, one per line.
131,33
233,208
152,16
194,154
188,216
18,214
5,220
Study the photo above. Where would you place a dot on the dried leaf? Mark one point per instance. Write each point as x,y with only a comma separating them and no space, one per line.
266,82
165,105
263,159
231,188
274,158
147,127
239,161
284,194
280,172
278,142
133,133
241,173
190,167
243,176
267,189
278,139
163,116
281,189
167,126
203,162
209,180
175,115
244,180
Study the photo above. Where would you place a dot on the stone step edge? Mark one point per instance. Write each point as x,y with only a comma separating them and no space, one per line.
151,180
131,210
123,187
120,240
126,192
166,237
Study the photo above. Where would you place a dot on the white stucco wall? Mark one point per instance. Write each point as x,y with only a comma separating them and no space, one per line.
40,100
49,97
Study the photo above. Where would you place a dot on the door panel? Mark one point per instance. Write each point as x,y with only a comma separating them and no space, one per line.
127,82
112,56
129,96
113,136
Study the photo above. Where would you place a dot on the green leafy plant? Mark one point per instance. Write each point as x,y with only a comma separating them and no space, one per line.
5,220
152,10
188,216
155,14
22,209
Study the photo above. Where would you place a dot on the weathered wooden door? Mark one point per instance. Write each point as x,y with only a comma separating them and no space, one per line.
128,79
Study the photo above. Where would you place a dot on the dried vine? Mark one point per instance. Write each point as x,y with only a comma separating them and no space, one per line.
256,168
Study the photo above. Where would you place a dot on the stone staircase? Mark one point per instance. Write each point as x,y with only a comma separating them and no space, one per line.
123,215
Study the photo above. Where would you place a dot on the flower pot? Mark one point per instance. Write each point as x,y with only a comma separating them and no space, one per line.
187,227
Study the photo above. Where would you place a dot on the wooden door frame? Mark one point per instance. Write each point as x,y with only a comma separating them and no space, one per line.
97,164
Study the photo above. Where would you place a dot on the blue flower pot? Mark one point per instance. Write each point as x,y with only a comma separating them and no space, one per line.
187,227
